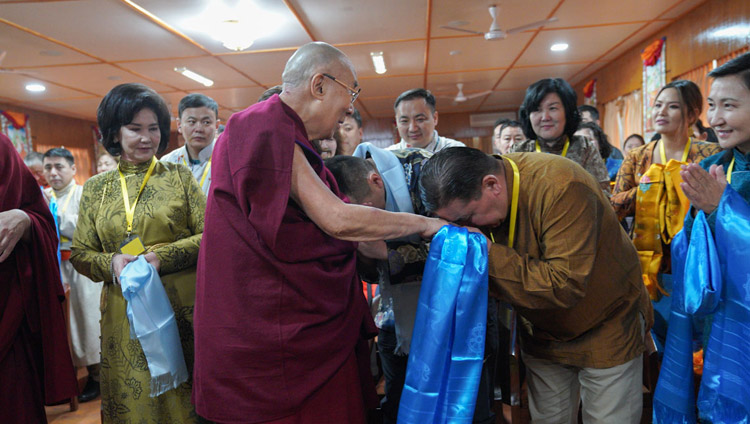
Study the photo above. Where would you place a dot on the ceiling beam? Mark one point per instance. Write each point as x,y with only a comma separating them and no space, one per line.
301,22
174,31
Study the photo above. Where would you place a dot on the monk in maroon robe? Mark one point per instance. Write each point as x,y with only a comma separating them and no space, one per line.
35,363
279,315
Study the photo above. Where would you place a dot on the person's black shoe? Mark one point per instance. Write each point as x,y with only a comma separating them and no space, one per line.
90,391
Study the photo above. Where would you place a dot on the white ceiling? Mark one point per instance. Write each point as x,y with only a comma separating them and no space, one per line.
80,49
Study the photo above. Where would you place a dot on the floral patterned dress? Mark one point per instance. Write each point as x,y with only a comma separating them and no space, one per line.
169,220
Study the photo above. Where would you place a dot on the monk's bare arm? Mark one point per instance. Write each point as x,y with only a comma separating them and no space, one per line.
351,222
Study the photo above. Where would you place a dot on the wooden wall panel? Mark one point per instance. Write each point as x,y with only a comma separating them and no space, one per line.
49,130
688,46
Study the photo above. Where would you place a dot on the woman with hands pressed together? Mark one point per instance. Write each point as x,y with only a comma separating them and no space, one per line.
143,207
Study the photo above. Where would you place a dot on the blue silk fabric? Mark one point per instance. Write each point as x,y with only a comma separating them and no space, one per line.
613,165
447,349
711,276
152,321
725,388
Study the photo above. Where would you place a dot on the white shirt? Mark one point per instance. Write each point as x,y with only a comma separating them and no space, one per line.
199,168
437,144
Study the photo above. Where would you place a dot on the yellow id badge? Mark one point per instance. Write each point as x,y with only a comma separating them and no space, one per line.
132,246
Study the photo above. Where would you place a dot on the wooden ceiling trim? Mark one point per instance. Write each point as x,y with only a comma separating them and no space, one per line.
375,77
50,39
169,28
427,44
59,65
361,106
85,53
608,24
599,59
536,32
302,23
155,19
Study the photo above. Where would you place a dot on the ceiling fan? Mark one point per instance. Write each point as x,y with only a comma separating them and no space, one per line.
495,33
461,97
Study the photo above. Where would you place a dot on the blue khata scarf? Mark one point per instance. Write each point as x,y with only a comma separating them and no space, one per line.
152,321
447,350
710,278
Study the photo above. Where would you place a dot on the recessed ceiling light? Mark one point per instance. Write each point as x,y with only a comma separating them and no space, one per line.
378,62
36,88
194,76
559,47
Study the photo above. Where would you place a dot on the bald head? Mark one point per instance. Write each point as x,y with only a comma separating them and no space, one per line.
310,59
319,84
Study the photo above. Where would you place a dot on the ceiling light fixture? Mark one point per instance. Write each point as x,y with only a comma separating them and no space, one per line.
559,47
734,31
237,26
378,61
35,88
195,77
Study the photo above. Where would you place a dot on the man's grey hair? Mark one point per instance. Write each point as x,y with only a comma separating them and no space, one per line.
32,158
310,59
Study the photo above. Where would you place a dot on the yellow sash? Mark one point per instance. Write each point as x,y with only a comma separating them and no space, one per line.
660,209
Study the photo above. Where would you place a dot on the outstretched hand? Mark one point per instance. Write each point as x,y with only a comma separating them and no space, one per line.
432,226
703,189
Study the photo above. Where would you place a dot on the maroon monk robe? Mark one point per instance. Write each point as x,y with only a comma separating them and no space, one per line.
35,364
278,306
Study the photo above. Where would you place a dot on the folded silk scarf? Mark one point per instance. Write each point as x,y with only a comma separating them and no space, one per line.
725,388
695,292
447,350
152,321
712,276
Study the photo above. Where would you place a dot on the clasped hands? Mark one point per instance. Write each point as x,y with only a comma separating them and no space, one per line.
120,260
703,189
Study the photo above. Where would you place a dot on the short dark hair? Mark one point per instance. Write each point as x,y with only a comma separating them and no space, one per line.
351,175
455,173
499,122
416,93
119,107
510,124
740,66
691,99
636,136
357,117
534,96
60,152
276,89
605,149
197,100
594,112
32,158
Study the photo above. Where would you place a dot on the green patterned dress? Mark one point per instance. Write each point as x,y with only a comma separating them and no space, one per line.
169,220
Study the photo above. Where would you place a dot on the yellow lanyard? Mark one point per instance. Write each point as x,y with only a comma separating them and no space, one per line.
129,211
513,205
205,171
565,148
684,153
729,171
67,201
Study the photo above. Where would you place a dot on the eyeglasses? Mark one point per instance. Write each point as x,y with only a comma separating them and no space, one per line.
352,92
